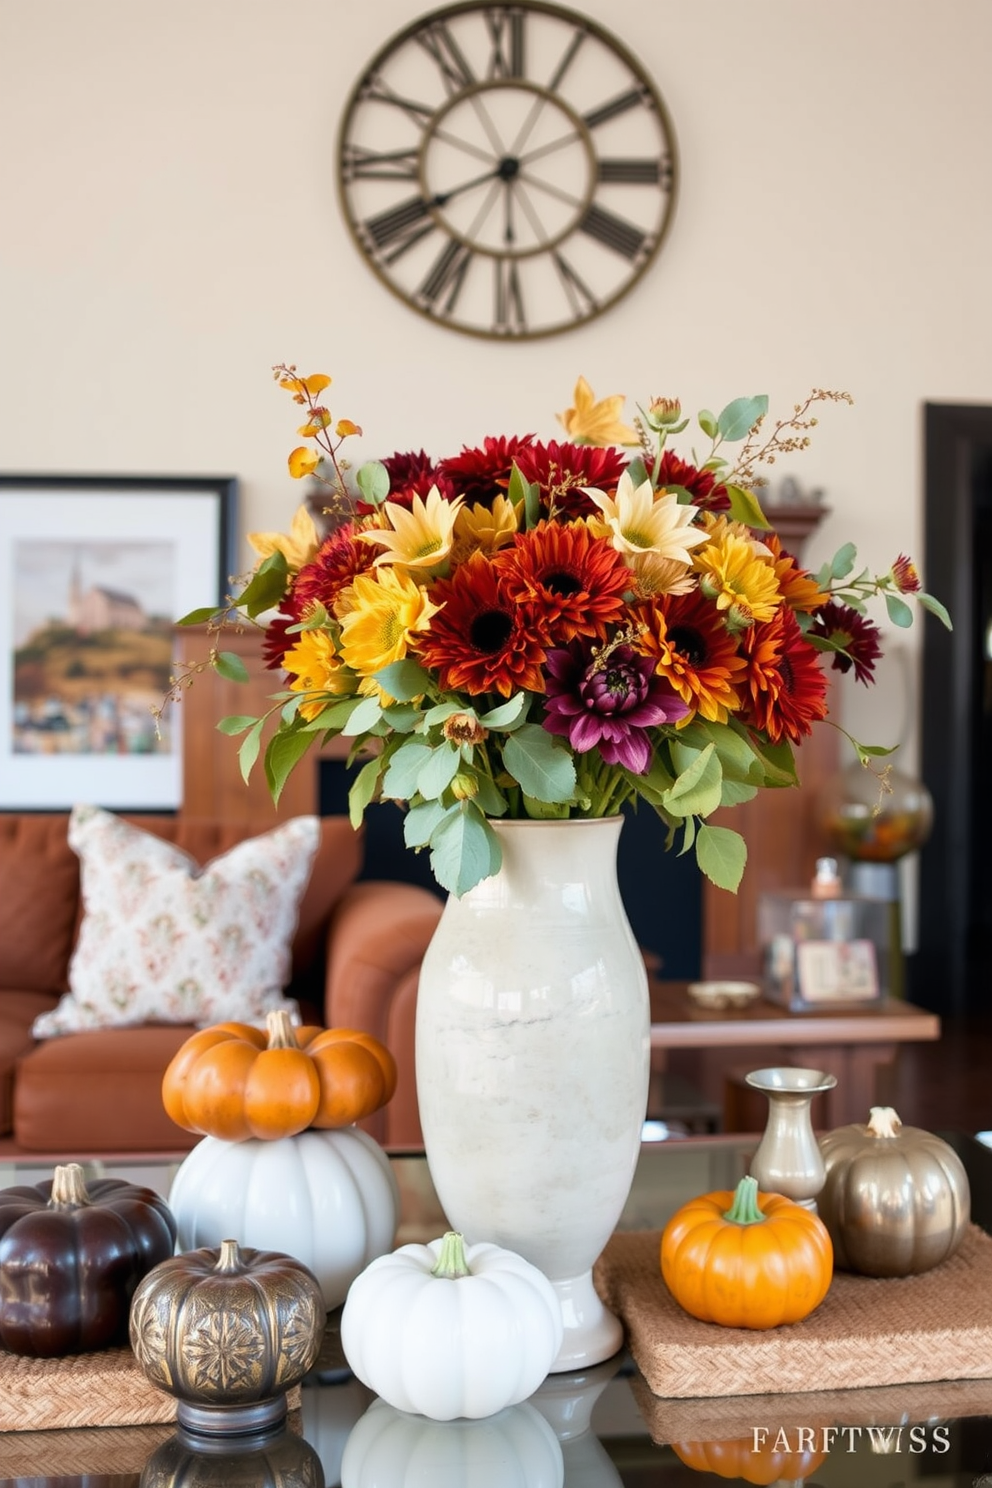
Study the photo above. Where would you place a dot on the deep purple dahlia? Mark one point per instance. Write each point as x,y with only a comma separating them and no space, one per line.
608,702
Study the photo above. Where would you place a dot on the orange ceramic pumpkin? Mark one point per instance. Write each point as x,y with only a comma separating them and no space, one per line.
742,1459
235,1081
746,1259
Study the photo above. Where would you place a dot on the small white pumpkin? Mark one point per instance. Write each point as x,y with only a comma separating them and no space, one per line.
446,1330
514,1449
328,1198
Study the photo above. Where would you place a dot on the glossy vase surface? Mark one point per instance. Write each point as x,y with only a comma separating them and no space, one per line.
532,1051
788,1160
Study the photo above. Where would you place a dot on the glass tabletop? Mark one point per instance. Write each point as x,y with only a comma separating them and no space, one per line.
602,1428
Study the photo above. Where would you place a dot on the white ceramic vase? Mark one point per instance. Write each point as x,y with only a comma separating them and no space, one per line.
532,1052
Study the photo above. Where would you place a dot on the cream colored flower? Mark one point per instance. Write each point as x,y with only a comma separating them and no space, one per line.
420,538
639,522
297,546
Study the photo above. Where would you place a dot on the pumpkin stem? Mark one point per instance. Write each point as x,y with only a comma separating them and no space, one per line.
229,1257
68,1187
883,1122
451,1262
279,1030
744,1209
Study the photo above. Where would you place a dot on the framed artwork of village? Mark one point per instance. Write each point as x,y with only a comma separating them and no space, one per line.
94,573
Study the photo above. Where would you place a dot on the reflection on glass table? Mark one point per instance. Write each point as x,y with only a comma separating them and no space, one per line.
599,1429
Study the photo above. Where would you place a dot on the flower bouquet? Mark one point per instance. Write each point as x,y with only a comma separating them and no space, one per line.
531,629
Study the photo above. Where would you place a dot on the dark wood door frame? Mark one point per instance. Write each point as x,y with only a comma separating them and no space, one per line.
958,439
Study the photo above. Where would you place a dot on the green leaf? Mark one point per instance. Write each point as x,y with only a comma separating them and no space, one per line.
936,608
541,766
404,680
637,470
200,617
777,762
545,810
422,820
507,714
248,752
736,792
722,856
266,586
443,711
843,561
438,771
655,784
400,780
402,717
372,479
464,850
740,416
873,751
745,507
708,423
898,611
688,836
229,665
490,799
363,790
236,724
697,789
285,751
334,716
364,716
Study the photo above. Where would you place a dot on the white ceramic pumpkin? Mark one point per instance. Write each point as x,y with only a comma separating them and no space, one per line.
329,1198
448,1330
514,1449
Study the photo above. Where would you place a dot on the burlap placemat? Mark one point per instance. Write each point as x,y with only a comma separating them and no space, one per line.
99,1389
867,1332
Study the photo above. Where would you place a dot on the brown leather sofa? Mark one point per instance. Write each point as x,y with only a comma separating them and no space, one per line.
356,960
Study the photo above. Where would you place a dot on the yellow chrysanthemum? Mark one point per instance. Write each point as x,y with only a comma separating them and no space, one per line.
297,546
719,526
484,529
386,609
420,537
599,423
740,581
638,522
315,666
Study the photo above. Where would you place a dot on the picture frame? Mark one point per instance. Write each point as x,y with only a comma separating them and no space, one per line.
95,570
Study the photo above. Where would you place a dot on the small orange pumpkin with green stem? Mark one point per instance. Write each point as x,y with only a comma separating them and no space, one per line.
746,1259
235,1081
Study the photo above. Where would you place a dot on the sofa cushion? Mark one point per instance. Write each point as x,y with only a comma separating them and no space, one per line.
165,940
39,890
18,1011
99,1092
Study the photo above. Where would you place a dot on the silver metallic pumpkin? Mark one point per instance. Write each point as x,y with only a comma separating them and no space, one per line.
896,1199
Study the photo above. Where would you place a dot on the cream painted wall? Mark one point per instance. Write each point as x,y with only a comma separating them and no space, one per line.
169,229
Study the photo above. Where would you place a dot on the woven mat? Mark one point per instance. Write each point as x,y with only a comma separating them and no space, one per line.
100,1389
867,1331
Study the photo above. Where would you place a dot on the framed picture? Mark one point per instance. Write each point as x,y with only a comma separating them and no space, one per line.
94,572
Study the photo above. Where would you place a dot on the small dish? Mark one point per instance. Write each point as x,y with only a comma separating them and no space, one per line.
719,995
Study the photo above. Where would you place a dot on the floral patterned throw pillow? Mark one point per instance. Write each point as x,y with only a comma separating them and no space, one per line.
163,940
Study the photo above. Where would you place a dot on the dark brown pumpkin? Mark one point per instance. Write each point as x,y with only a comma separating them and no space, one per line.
71,1256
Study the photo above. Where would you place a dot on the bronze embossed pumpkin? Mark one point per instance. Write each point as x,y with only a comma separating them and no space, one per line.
71,1256
896,1199
278,1459
228,1331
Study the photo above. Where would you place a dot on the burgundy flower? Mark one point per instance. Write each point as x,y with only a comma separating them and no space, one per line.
560,470
411,473
608,702
480,475
276,642
857,638
701,484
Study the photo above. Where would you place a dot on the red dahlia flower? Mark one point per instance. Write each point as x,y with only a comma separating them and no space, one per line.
480,640
338,560
573,581
784,688
480,475
608,702
859,637
560,470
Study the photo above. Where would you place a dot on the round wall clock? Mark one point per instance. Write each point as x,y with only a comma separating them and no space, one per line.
507,170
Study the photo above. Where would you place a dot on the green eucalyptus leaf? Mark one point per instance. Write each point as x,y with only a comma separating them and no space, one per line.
708,423
421,822
722,856
843,561
230,665
745,507
404,680
438,771
248,752
506,715
740,416
362,790
541,766
936,608
372,479
363,717
236,724
464,850
402,718
898,611
637,470
400,780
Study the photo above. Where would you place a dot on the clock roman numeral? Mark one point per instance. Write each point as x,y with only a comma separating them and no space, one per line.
374,89
506,32
619,105
399,227
568,57
613,232
509,317
440,45
629,172
580,297
360,164
447,274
